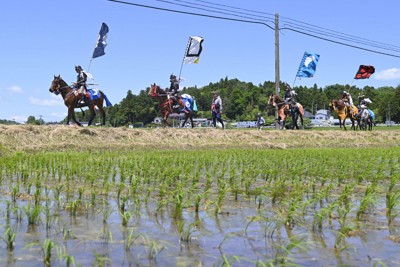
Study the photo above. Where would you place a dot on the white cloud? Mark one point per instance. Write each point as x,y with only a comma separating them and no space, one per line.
45,102
389,74
15,89
58,115
20,119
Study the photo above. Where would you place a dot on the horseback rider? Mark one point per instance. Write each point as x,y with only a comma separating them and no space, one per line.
173,89
348,101
289,96
80,84
362,104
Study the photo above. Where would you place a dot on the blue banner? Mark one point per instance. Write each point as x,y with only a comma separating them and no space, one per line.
308,65
101,41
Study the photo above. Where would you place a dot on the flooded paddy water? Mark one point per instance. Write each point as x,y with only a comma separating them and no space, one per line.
160,197
218,207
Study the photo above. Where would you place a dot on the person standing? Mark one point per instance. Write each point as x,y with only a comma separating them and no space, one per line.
260,121
216,109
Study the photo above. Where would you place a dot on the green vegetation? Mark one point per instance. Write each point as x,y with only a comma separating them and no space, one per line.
282,201
243,100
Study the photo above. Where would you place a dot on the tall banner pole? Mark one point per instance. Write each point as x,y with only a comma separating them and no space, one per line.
89,64
183,60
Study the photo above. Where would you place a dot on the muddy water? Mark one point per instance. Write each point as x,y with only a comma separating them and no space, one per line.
241,234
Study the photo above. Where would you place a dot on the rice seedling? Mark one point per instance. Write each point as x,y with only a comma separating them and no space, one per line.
9,238
126,216
153,247
367,202
32,213
186,231
130,240
392,199
64,256
101,260
47,248
14,192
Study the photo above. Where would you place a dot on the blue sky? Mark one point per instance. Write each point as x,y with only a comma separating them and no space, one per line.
40,39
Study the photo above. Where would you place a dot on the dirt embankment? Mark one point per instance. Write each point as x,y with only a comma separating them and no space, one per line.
62,137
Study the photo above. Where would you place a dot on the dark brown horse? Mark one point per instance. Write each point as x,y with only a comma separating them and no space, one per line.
59,86
344,112
166,104
284,110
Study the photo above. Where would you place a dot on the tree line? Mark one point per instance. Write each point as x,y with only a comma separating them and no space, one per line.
243,100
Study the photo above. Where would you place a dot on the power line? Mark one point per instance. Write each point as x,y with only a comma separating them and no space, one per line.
233,12
290,24
190,13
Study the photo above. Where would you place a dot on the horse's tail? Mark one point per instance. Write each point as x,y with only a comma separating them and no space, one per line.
301,109
108,103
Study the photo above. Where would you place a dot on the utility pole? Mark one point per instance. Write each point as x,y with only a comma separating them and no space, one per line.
277,74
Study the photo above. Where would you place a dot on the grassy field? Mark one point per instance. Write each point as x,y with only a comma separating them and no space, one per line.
58,138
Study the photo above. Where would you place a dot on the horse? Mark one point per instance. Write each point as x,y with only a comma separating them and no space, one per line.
366,119
166,105
343,112
59,86
284,110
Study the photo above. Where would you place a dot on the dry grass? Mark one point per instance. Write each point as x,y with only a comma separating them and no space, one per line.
61,137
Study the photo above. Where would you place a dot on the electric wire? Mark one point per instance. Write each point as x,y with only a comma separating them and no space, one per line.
298,25
191,13
289,24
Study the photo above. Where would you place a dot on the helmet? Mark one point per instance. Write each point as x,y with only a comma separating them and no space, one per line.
259,114
77,67
345,93
172,76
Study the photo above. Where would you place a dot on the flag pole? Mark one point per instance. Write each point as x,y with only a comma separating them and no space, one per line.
183,60
90,63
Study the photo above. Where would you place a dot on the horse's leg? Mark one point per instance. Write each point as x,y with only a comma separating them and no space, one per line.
72,112
302,121
102,111
191,120
184,122
92,114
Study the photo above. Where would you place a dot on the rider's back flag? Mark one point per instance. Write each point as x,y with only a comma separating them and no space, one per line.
101,41
308,65
364,72
193,50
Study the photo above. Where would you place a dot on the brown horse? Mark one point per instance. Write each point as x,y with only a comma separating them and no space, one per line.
58,85
343,111
166,104
284,110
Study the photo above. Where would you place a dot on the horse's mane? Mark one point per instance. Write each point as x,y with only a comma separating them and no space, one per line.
160,90
278,99
62,82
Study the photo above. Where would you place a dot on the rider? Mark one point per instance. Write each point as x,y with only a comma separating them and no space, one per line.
362,104
348,101
80,84
173,88
289,95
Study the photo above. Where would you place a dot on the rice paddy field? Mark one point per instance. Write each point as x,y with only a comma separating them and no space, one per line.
73,196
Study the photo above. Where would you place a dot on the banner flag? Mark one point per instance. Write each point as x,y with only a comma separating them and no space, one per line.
101,41
193,50
308,65
364,72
